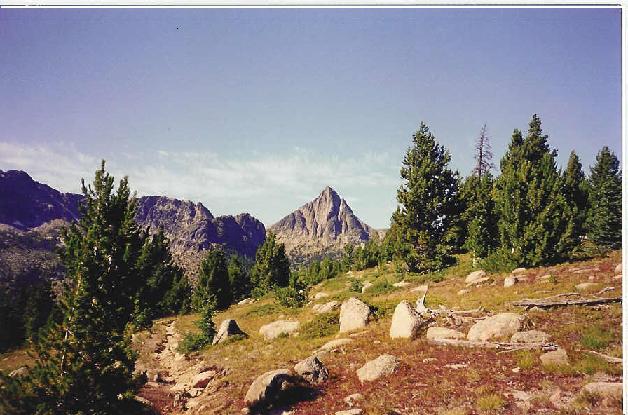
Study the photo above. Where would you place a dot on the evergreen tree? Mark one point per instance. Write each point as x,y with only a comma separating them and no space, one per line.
84,362
271,268
213,282
532,209
427,204
575,192
604,219
483,154
238,278
480,216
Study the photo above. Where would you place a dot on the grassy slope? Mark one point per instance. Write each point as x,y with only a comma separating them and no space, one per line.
423,384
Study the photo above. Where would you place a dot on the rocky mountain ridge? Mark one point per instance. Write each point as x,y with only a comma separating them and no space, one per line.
322,226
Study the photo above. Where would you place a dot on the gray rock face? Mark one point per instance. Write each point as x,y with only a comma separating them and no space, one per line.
555,358
333,344
228,328
509,281
312,370
406,322
382,366
325,308
324,225
268,387
278,328
474,277
354,314
498,327
604,389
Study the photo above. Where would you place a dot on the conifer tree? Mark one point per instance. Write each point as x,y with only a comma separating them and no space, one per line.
213,281
604,219
427,204
480,216
238,278
532,209
84,362
575,192
271,268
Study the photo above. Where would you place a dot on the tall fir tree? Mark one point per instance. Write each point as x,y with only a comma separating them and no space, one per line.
604,218
84,362
530,203
271,268
575,192
213,281
427,205
238,278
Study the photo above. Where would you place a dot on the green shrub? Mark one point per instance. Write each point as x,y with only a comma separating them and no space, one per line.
263,310
492,402
499,261
321,326
355,286
596,338
591,364
526,359
291,297
381,286
192,342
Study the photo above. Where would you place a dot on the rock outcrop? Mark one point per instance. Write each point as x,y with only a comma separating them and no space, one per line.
406,322
382,366
498,327
278,328
312,370
228,328
444,333
323,226
268,387
354,314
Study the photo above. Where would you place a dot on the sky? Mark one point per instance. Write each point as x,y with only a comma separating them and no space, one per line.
257,110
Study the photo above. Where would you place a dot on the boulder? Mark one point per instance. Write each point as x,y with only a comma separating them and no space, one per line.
444,333
267,388
604,389
333,344
366,286
401,284
354,314
530,336
406,322
517,271
498,327
509,281
20,371
320,295
325,308
618,269
278,328
585,286
354,411
463,292
555,358
312,370
382,366
228,328
246,301
353,399
475,276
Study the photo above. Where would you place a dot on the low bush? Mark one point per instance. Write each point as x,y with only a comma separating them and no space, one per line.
192,342
499,261
596,338
321,326
490,403
291,297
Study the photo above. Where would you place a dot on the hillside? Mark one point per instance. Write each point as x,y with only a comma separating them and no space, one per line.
429,378
322,226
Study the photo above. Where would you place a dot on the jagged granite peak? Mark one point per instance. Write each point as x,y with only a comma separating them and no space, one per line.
323,226
27,204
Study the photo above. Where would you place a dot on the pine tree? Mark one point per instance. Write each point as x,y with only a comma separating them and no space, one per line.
84,362
271,268
575,193
213,281
532,209
238,278
483,154
480,216
604,219
427,204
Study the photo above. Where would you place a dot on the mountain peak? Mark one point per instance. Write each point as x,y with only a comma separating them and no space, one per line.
323,225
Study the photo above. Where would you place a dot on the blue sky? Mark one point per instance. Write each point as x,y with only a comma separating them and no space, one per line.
257,110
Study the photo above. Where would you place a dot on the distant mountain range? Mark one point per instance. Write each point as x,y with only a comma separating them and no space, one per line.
323,226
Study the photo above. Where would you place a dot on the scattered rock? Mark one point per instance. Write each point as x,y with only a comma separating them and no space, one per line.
479,281
545,278
555,358
518,271
382,366
422,288
268,387
604,389
320,295
228,328
20,371
406,322
498,327
510,280
401,284
312,370
246,301
354,314
326,308
333,344
278,328
463,292
354,411
586,286
202,379
618,269
366,286
353,399
442,333
142,400
530,336
474,277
